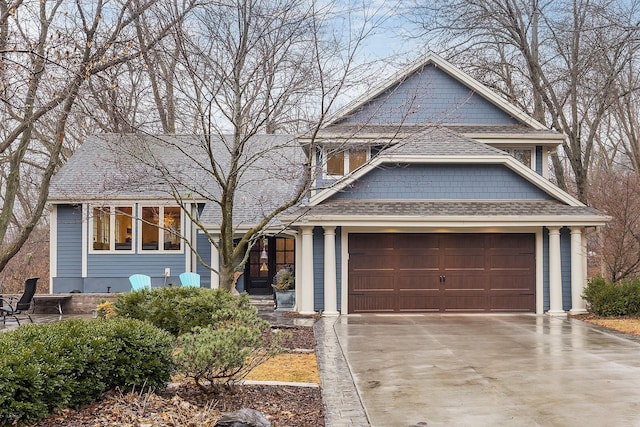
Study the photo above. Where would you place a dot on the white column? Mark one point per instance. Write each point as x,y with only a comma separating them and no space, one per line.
330,293
215,267
555,274
53,246
306,281
577,271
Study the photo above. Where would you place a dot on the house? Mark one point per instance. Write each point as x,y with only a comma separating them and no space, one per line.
431,195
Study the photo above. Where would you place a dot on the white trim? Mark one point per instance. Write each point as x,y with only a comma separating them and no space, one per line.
187,232
506,160
53,245
452,71
85,237
215,267
443,222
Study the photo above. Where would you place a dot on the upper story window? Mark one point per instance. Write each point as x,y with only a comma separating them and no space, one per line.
160,228
524,155
111,228
344,162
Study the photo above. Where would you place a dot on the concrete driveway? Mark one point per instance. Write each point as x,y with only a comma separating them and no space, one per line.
490,370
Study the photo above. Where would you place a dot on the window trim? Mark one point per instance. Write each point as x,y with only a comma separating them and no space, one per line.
160,227
346,151
112,228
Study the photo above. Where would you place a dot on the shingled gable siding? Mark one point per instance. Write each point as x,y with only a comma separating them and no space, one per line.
442,182
69,251
565,259
430,96
318,268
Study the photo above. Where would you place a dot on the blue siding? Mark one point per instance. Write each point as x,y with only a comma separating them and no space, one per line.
430,96
339,266
204,249
565,267
69,236
442,182
539,159
565,259
318,269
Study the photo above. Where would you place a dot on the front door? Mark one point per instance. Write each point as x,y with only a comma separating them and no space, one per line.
266,258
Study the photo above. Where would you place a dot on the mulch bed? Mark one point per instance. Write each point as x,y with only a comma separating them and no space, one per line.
187,405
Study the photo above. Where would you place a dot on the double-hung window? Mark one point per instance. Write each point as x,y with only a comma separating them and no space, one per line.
160,228
340,163
111,228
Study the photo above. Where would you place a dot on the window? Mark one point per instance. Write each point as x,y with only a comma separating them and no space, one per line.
160,229
112,228
348,160
523,155
285,253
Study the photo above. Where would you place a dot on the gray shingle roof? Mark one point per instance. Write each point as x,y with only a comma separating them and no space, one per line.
442,208
438,141
146,167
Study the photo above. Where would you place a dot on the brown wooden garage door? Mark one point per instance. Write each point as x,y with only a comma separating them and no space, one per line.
441,273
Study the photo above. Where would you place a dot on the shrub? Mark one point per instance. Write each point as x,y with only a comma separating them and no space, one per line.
71,363
223,355
613,299
180,310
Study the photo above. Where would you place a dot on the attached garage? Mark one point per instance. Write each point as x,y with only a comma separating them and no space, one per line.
400,273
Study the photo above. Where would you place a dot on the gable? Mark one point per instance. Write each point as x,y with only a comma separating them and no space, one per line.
429,95
442,182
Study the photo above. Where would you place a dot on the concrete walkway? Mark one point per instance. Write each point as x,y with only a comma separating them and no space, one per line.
476,370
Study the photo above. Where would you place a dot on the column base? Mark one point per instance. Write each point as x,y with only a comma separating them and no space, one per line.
307,313
561,313
330,313
578,311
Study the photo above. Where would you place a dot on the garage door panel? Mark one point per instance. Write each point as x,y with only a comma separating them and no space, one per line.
372,303
465,303
417,282
510,261
515,282
418,262
419,303
367,282
515,303
465,282
442,272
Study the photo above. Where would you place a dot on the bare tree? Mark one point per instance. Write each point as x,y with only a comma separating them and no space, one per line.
566,54
617,193
49,52
249,68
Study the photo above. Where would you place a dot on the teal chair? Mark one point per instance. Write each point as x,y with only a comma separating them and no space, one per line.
140,282
190,279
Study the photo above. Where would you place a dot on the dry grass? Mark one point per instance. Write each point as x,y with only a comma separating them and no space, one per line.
626,325
289,367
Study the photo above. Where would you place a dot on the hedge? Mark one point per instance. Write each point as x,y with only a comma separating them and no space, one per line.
606,298
72,363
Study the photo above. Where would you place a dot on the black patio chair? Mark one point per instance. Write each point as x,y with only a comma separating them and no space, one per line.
16,307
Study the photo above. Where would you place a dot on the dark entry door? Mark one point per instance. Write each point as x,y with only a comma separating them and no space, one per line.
266,258
441,272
